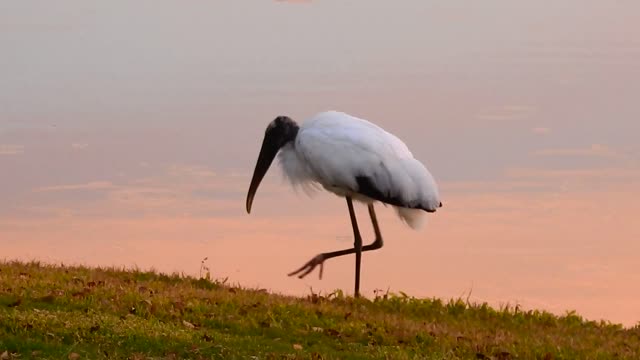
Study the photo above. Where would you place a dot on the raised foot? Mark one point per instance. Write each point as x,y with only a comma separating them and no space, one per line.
309,266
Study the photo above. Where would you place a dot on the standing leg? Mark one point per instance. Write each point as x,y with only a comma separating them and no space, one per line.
357,245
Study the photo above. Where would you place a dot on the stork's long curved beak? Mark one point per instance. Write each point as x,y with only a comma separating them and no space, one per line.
265,158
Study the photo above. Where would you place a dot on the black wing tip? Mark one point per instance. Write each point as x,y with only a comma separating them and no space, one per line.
367,187
433,210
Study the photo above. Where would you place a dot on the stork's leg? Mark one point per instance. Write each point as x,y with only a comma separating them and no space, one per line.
377,243
357,245
320,258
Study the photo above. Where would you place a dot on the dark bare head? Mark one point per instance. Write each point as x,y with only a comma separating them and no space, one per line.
279,132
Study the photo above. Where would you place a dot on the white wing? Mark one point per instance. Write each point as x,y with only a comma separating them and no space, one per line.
344,154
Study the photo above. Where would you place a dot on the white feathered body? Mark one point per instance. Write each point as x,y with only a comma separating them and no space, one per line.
333,149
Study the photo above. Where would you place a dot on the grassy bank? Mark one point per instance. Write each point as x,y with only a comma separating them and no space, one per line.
58,312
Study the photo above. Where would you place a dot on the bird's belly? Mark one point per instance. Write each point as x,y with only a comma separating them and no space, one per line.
342,192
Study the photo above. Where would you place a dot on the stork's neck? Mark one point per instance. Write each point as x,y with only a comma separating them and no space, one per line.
291,132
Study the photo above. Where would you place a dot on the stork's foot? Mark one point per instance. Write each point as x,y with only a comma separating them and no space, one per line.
309,266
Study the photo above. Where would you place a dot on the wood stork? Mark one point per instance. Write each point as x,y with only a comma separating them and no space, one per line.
352,158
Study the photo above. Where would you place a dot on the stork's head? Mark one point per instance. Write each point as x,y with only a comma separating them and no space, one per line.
280,131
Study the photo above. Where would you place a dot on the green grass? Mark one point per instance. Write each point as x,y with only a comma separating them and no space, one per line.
60,312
